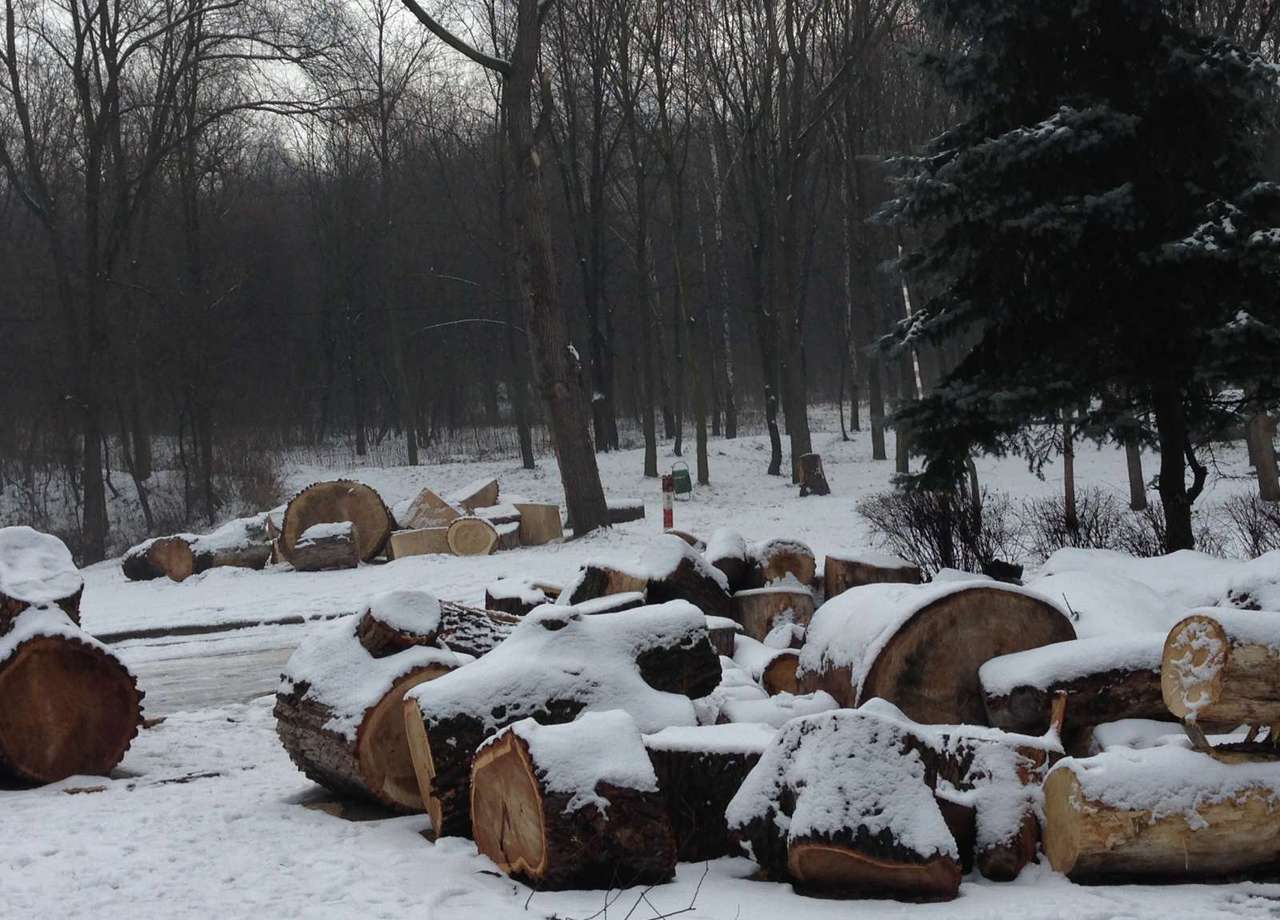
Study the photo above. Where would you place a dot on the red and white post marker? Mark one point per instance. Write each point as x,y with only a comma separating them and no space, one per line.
668,501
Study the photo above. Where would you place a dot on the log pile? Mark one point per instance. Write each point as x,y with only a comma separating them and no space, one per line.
1224,666
557,663
471,522
572,805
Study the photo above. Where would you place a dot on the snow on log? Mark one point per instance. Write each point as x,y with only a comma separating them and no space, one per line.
573,805
612,603
398,620
781,560
556,664
622,510
244,543
727,551
779,675
775,710
472,536
333,545
813,481
761,610
1103,603
539,523
428,510
339,707
699,771
333,502
508,535
723,632
516,596
1106,678
482,493
68,706
842,571
160,557
1224,666
425,542
1165,814
920,646
36,568
669,569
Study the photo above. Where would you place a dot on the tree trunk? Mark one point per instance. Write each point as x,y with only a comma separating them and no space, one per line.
1070,517
1171,427
1262,431
1137,482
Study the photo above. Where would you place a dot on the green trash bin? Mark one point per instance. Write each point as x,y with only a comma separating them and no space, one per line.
682,480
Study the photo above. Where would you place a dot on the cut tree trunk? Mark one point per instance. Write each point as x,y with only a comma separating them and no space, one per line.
425,542
333,502
699,771
779,560
243,544
627,509
759,610
471,536
727,551
779,675
813,481
36,568
162,557
920,646
669,570
601,825
842,572
483,493
429,510
69,706
723,632
327,546
514,596
1224,666
539,523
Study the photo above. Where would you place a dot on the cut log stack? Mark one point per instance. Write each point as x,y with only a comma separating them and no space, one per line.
842,571
572,805
556,664
471,522
67,705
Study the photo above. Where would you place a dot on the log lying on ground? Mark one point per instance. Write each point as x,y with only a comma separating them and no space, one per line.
516,596
842,571
813,481
622,510
322,547
723,632
1223,666
472,536
244,543
572,805
760,610
473,631
397,621
920,646
481,493
669,569
1165,814
612,603
333,502
556,664
699,771
160,557
424,542
428,511
67,705
36,568
539,523
727,551
339,709
781,560
1106,678
779,675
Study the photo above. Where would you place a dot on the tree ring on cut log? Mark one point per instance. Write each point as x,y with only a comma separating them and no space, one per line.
471,536
506,810
335,501
69,708
839,870
383,747
1223,666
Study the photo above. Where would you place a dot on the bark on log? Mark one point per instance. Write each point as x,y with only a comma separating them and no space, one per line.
69,706
473,631
576,663
727,551
840,573
472,536
162,557
536,827
482,493
669,570
327,546
428,511
243,543
723,633
813,481
781,560
1224,666
333,502
425,542
36,568
622,511
760,610
598,580
920,646
397,621
514,596
539,523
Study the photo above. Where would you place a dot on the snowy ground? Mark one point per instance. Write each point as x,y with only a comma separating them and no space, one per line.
204,816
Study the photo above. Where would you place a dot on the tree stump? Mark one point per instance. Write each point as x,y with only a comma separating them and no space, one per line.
813,481
333,502
471,536
920,646
1223,666
327,546
727,551
852,570
781,560
159,557
573,805
36,568
759,610
69,706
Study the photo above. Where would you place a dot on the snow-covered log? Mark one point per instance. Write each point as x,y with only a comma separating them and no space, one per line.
67,705
244,543
424,542
573,805
781,560
539,523
482,493
669,569
36,568
842,571
398,620
623,510
813,481
1106,678
1166,814
1224,666
339,710
612,603
160,557
472,536
723,633
727,551
472,631
556,664
334,545
920,646
699,771
760,610
516,596
333,502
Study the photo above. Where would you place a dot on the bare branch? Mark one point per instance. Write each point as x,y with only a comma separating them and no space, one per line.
484,60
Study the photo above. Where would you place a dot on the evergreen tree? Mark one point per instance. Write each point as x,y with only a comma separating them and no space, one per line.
1101,218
